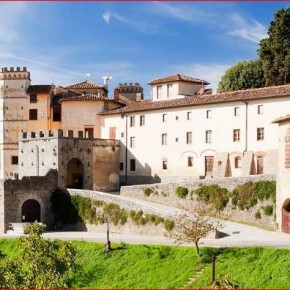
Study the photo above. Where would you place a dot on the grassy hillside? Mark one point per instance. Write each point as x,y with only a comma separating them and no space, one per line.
141,266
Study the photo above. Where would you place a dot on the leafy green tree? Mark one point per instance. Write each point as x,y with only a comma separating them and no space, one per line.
111,214
43,264
243,75
274,51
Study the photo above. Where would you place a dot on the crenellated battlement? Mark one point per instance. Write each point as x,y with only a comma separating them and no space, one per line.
14,73
69,134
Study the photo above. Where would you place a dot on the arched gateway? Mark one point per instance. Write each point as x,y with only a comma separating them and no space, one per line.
286,216
30,211
75,174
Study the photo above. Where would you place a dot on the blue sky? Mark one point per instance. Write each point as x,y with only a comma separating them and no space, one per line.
62,42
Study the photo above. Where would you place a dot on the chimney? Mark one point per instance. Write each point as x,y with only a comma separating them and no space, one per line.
201,91
138,97
116,93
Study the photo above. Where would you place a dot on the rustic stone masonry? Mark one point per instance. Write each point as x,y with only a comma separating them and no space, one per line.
98,159
165,194
15,192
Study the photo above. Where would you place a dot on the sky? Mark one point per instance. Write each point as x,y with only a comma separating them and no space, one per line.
69,42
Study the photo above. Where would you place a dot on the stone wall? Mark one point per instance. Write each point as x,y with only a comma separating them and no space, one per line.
165,194
16,192
128,204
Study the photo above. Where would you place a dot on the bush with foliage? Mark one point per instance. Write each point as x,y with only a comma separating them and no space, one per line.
213,194
43,263
168,225
268,210
181,192
258,215
147,191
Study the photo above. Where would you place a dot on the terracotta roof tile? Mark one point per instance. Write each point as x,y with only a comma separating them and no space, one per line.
39,89
177,77
242,95
84,97
84,85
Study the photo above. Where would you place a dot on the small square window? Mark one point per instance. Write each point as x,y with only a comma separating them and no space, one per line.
260,109
33,99
208,114
122,134
164,118
14,160
121,166
33,114
176,118
237,111
189,116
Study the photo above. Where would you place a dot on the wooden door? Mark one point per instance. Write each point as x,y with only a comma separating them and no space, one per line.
208,164
260,165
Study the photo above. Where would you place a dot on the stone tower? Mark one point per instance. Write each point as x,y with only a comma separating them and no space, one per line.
13,117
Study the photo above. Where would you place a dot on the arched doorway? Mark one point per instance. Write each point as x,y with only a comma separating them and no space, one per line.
75,174
30,211
286,216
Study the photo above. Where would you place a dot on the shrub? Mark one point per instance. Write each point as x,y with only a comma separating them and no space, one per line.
258,215
243,194
268,210
181,191
168,225
265,190
147,191
213,194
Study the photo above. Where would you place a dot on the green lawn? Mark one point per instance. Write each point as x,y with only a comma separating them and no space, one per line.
141,266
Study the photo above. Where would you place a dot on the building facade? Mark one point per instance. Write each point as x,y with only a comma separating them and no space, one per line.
91,141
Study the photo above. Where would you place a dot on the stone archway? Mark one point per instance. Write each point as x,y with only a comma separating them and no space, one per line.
75,174
286,216
30,211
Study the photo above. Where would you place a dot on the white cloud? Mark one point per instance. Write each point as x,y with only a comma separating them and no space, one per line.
107,16
217,16
251,29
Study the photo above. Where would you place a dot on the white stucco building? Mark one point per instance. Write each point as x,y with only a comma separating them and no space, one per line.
190,133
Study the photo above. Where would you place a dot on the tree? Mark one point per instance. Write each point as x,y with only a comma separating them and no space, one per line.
43,264
111,214
195,225
274,51
243,75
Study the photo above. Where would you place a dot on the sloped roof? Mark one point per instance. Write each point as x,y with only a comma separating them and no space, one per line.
282,119
241,95
39,89
177,77
84,85
84,97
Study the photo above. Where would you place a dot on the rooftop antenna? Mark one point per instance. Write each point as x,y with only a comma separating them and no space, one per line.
106,81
